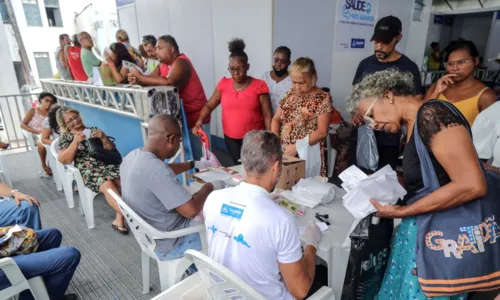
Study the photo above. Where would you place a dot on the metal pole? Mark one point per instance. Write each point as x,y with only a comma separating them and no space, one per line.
22,51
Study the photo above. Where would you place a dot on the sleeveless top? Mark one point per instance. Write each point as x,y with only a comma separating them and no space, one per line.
63,72
192,95
75,63
468,107
37,121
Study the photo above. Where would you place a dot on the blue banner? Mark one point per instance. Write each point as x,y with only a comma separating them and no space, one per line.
438,19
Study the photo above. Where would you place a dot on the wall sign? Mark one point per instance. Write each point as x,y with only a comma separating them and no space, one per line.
355,22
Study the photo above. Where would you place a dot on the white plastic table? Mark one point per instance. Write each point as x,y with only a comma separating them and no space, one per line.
330,247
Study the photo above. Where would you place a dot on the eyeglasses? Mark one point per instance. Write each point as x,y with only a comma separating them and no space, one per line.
459,63
181,137
77,117
238,70
369,120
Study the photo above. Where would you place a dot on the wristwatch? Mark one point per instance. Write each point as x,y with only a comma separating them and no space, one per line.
192,164
12,192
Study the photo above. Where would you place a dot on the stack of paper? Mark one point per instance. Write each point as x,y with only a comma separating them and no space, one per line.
382,186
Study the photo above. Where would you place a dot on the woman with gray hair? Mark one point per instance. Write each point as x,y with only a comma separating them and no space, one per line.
387,101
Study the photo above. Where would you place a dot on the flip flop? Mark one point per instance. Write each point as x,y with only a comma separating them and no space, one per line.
120,229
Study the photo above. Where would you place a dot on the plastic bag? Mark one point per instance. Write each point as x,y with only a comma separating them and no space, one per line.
370,249
210,157
310,188
367,151
312,156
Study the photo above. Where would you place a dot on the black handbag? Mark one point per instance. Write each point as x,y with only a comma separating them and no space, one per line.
97,151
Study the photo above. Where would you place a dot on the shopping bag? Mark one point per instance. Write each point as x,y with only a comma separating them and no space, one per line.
457,249
208,156
370,249
312,156
367,151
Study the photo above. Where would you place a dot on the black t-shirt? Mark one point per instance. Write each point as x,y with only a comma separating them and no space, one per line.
371,65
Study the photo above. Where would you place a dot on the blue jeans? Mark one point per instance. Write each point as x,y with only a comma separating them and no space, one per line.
55,264
25,214
191,241
195,142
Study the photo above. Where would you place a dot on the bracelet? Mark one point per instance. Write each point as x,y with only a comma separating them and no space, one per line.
192,164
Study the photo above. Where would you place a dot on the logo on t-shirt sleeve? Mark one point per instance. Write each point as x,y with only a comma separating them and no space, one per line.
231,211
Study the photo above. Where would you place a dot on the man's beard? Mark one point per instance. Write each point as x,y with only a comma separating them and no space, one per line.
385,55
280,73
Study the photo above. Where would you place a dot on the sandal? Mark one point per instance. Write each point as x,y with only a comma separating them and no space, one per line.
120,229
47,170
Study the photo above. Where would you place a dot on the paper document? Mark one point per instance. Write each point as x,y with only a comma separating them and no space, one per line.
322,226
382,186
351,177
130,66
213,175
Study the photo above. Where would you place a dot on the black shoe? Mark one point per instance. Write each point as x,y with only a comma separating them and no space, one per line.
70,297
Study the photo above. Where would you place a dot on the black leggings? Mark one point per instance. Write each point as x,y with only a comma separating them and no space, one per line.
234,148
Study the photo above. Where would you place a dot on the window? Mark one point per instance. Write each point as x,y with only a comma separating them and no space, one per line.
53,13
3,12
32,12
43,64
417,10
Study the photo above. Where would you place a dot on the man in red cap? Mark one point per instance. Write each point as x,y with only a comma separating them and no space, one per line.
388,33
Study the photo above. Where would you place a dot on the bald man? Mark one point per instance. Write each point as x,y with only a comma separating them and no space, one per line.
150,187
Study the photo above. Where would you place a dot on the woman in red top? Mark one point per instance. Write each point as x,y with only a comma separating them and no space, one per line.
75,61
246,105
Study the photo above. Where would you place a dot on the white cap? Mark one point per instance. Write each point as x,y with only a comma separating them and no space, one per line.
496,58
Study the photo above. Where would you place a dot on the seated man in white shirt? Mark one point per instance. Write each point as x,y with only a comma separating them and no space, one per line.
251,235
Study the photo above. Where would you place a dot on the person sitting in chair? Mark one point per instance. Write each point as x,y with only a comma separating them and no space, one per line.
151,189
255,238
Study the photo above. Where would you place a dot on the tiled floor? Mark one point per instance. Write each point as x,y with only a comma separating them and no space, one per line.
110,267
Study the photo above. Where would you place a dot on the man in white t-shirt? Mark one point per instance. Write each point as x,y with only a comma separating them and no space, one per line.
254,237
278,80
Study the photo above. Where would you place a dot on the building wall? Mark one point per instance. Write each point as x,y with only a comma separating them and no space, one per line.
203,27
45,38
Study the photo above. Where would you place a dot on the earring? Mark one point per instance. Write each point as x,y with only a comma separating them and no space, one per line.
391,101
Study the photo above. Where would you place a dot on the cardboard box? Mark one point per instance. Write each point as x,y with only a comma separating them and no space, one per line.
294,169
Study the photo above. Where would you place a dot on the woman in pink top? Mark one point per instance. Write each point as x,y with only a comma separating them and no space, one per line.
33,122
246,105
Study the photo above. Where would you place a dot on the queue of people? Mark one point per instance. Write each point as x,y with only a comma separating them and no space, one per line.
263,119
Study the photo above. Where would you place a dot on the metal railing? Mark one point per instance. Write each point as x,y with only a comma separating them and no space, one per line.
13,108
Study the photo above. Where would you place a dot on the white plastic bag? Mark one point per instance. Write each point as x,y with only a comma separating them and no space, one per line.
210,157
314,190
367,151
312,156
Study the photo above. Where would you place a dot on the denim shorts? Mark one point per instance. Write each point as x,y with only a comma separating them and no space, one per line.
191,241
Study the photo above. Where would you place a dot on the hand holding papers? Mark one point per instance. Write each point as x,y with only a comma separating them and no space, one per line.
382,186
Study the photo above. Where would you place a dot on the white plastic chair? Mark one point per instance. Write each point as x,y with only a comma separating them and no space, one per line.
51,159
34,149
221,284
146,235
4,173
86,197
65,175
19,282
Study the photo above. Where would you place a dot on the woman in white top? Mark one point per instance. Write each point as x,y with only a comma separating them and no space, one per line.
278,80
486,135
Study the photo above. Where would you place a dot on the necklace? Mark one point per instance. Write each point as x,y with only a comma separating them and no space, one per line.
242,88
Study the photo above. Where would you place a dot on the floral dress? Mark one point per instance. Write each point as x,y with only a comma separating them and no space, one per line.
94,172
299,117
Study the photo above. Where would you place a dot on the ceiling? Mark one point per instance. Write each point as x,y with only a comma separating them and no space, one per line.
448,7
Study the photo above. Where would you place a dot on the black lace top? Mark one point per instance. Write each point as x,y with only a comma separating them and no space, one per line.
431,118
